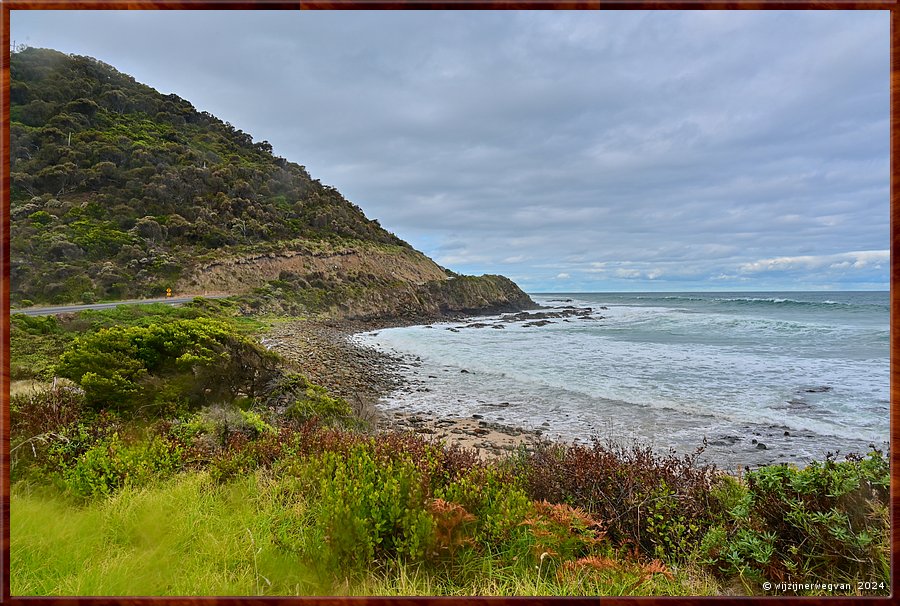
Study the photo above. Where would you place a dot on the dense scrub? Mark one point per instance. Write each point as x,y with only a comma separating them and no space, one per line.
133,367
777,524
829,520
117,188
347,507
657,503
37,342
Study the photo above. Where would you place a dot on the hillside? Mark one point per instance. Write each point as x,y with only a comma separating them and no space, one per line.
120,191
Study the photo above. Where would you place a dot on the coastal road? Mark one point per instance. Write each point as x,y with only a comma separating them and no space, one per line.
65,309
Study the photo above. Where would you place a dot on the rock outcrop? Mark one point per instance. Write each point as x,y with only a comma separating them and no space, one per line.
363,281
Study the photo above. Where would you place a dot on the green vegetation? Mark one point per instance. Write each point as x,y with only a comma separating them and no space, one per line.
37,342
166,452
189,535
131,479
366,295
190,362
825,521
183,536
312,510
117,189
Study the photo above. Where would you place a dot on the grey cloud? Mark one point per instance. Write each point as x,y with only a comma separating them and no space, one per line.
684,143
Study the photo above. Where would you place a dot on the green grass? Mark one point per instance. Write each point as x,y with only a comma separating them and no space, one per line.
35,345
492,580
185,536
190,536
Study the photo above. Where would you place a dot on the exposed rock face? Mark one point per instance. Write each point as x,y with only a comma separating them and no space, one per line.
363,281
482,294
462,295
239,275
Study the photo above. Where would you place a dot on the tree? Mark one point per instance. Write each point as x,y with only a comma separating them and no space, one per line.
114,100
42,217
149,229
60,178
82,106
36,113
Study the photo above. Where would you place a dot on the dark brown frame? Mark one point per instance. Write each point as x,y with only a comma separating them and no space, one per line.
9,5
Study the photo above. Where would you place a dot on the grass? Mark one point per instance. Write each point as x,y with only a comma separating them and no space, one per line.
27,387
190,536
503,581
34,348
185,536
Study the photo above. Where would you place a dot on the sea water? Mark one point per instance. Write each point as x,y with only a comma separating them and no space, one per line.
763,377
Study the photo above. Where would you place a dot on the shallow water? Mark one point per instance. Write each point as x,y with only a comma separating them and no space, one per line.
801,373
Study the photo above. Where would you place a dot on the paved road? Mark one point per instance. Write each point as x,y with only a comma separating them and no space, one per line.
64,309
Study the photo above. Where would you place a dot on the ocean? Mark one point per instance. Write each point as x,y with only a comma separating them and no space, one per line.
763,377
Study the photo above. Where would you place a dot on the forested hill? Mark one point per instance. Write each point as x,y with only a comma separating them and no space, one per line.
119,190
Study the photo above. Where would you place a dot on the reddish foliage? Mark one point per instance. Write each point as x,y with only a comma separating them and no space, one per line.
617,484
50,410
451,523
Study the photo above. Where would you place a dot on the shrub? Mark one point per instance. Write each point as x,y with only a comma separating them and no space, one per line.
453,527
35,344
111,464
562,533
254,423
303,400
363,509
65,450
826,519
48,410
498,503
229,440
658,503
35,325
37,421
232,460
199,360
98,238
315,402
41,217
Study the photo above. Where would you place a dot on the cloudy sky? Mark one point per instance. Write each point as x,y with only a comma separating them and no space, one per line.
570,151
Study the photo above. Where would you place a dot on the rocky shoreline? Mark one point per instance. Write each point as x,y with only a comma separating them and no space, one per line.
323,352
488,439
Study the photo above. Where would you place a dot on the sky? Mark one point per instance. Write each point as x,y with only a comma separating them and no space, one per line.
571,151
